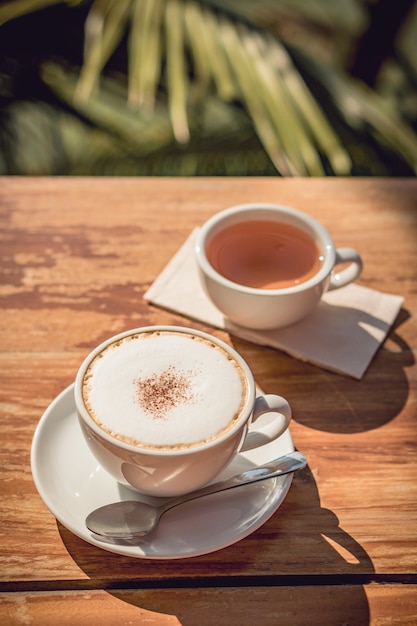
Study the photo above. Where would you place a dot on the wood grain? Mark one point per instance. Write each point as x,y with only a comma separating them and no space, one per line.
372,605
77,256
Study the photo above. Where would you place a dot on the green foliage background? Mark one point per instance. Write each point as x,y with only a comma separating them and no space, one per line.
188,87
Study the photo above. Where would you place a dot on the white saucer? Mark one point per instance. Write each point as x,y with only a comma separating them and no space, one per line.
72,484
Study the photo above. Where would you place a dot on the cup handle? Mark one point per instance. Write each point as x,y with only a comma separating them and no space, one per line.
350,273
280,417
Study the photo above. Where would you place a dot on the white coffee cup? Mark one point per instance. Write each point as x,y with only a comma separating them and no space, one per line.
165,409
269,238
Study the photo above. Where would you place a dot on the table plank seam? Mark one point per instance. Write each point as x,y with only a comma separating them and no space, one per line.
270,580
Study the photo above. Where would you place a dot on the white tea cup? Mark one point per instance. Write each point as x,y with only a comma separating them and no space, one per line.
164,409
266,266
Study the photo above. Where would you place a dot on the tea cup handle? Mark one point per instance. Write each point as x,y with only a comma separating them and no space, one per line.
279,412
350,273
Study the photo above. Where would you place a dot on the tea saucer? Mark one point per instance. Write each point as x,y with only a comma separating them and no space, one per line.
72,483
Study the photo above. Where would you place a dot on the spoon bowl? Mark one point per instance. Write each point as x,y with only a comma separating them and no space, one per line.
129,519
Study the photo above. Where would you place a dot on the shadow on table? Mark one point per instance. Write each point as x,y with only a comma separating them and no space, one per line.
333,402
300,567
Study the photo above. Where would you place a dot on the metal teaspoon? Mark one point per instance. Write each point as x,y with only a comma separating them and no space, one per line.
131,518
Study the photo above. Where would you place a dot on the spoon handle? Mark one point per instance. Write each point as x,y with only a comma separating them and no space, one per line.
278,467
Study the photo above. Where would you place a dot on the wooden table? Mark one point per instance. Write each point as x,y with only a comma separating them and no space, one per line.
77,256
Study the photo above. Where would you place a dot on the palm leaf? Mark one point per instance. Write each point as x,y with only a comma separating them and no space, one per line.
364,108
203,68
216,55
246,79
104,27
296,138
364,111
177,74
145,53
309,109
108,109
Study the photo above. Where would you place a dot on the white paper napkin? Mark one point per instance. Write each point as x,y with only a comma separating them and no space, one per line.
342,335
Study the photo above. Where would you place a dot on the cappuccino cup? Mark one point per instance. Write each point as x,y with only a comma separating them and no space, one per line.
266,266
164,409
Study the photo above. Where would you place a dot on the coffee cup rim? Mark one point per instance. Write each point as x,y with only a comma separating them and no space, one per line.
156,451
245,212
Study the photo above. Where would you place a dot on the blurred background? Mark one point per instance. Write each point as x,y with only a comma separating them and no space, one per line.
208,87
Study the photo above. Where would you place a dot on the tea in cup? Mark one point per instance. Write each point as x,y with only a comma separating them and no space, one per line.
266,266
165,409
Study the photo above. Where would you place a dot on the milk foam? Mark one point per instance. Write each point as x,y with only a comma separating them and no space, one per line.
164,389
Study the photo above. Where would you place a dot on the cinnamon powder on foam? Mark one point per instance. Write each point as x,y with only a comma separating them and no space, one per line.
163,391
